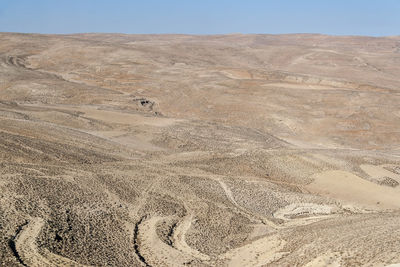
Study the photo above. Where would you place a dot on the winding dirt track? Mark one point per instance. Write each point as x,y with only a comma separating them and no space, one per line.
28,251
179,239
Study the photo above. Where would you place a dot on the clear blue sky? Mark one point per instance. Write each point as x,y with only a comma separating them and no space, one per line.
340,17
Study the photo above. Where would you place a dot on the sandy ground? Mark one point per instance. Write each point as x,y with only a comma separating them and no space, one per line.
355,190
174,150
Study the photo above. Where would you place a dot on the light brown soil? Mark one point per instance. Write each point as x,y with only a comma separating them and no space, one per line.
175,150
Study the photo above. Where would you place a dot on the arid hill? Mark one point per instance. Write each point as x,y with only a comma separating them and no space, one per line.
179,150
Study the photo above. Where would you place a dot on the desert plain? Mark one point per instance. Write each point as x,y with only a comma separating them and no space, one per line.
181,150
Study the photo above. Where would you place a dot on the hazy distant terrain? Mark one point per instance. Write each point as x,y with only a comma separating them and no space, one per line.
179,150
